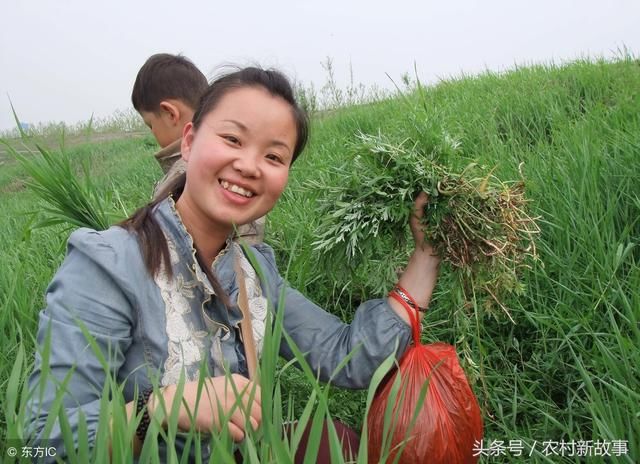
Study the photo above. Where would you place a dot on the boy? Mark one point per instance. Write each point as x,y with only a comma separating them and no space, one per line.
165,93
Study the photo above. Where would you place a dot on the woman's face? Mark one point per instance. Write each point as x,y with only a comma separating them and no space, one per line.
238,159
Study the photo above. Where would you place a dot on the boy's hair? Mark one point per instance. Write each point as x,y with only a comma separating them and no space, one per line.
164,76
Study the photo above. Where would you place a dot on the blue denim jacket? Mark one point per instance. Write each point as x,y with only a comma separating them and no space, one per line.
155,327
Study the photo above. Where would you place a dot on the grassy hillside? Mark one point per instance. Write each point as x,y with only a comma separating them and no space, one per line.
567,369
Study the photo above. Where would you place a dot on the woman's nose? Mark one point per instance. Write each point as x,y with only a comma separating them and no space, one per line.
247,164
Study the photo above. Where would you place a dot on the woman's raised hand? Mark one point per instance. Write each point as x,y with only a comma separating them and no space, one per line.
420,275
415,223
233,397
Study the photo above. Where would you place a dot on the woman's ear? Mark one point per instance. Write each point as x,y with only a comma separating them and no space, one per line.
188,134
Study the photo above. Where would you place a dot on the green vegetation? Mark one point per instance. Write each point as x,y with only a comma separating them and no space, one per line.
567,368
119,122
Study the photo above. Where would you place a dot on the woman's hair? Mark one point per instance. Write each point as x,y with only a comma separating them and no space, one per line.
272,81
153,243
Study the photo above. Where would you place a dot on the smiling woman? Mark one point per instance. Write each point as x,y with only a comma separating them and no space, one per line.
238,158
167,293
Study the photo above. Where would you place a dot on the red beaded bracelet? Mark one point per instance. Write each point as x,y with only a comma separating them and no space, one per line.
408,298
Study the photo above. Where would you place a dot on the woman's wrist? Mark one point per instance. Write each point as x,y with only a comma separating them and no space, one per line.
420,275
142,409
406,297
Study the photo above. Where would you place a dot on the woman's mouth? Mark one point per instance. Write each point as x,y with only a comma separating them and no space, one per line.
236,189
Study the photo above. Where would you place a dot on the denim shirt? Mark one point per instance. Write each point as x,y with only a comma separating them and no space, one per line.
155,328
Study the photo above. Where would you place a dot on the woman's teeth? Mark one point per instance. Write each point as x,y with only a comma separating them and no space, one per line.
235,189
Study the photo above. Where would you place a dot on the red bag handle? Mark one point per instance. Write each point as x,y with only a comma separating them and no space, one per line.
413,317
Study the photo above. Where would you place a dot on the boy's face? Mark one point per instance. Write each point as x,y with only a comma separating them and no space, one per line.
162,127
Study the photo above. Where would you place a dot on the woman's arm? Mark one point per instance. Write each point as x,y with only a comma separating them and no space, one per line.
380,327
420,275
82,300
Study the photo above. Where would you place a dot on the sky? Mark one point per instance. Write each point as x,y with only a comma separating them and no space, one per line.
66,60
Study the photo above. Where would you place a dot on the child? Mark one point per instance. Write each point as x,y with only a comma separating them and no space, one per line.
165,93
160,291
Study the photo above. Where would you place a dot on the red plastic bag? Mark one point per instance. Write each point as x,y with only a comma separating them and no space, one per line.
449,422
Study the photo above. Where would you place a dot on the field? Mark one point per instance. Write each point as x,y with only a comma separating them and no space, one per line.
566,369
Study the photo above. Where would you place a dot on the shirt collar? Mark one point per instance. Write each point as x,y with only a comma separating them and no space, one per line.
172,224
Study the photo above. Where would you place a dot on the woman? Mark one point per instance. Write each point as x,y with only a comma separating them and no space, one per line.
159,292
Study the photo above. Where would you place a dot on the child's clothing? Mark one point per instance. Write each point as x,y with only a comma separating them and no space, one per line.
154,327
170,160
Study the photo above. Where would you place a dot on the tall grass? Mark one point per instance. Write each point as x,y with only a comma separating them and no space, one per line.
566,370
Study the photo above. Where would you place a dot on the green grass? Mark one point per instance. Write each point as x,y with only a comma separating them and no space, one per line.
121,121
568,369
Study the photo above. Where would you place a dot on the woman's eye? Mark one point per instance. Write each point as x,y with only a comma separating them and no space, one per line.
231,138
274,157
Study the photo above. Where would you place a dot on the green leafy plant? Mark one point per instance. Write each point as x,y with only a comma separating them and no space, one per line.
478,224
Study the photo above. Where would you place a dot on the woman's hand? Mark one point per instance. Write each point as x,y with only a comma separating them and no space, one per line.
415,223
420,275
235,398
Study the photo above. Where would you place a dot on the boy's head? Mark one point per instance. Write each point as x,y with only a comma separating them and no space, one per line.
166,92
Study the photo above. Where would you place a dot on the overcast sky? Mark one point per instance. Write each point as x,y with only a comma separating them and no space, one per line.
64,60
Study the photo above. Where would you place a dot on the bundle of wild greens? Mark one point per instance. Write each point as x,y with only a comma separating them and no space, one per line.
477,223
69,199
